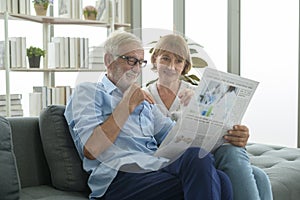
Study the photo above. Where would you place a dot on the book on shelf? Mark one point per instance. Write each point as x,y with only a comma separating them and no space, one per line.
2,54
23,52
12,107
13,113
18,51
83,52
43,91
3,6
35,103
67,52
72,52
96,51
58,97
12,53
12,102
54,55
96,60
120,15
12,96
86,52
15,105
22,7
60,41
76,9
14,6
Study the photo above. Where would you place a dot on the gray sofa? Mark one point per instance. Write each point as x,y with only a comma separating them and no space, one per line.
41,161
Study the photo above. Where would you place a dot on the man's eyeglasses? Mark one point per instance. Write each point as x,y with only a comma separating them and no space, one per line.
133,61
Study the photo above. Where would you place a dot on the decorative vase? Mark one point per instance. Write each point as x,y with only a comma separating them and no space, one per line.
41,9
34,62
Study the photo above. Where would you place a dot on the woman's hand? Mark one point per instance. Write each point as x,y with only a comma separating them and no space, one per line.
185,96
238,136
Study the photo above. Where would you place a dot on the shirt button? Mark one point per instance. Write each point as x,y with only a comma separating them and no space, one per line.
149,145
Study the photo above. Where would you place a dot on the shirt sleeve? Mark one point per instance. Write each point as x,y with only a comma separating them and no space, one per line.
83,114
162,125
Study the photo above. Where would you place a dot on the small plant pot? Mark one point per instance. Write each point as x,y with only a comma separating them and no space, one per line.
40,9
91,16
34,62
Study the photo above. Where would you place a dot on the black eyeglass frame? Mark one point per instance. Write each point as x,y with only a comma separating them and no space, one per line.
132,61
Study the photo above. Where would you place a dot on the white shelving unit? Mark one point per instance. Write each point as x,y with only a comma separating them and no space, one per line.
47,23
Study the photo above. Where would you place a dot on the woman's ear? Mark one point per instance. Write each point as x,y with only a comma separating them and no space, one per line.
108,59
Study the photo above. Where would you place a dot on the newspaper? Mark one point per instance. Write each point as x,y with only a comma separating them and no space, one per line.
219,102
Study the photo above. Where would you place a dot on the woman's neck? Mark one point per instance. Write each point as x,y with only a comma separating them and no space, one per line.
168,87
168,92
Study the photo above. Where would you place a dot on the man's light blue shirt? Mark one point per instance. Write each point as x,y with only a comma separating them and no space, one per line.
91,104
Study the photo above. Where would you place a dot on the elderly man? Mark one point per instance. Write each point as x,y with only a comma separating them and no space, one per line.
116,129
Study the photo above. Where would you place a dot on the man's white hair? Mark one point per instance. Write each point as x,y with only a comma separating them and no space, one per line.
118,39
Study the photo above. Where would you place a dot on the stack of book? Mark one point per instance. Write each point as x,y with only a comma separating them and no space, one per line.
96,60
42,96
2,54
16,109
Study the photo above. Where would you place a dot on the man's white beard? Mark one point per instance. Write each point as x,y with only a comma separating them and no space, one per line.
127,79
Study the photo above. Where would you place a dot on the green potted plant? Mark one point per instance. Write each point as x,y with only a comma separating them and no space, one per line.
90,12
34,55
41,6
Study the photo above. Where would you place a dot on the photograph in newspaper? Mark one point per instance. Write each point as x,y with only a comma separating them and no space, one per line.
220,101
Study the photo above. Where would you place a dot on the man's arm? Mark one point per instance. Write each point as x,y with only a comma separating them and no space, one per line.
105,134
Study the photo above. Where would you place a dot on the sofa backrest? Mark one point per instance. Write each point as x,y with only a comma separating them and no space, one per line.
31,162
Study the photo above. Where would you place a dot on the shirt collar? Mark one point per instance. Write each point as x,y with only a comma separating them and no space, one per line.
109,86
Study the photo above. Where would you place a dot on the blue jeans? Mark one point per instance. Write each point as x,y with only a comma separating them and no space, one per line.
189,177
248,182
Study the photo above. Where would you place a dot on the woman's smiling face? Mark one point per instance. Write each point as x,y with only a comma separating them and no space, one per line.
169,66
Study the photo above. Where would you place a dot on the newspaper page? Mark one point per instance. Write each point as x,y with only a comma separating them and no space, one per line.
219,102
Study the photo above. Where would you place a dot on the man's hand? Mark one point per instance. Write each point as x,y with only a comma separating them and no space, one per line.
135,95
238,136
185,96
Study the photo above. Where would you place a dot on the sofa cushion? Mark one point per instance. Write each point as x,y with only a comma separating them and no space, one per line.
9,178
62,157
46,192
282,164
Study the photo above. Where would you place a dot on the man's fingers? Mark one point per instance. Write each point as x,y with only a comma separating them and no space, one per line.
148,97
237,141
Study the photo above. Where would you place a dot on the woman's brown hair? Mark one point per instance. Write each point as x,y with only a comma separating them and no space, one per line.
175,44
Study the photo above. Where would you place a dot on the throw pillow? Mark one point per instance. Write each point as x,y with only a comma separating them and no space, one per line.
64,162
9,177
